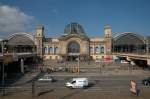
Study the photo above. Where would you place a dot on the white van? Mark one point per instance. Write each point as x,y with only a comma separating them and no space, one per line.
77,83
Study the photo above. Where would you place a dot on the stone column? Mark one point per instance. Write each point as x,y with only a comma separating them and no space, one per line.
105,49
93,49
99,49
22,66
47,50
53,49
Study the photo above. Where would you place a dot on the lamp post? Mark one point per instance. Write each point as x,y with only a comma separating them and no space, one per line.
3,67
89,52
78,64
100,69
147,47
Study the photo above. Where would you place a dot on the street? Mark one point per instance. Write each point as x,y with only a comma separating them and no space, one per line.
112,82
100,87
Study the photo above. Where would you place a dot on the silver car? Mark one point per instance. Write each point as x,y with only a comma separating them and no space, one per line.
46,78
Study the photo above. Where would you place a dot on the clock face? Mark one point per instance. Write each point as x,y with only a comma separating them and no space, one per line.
108,31
38,34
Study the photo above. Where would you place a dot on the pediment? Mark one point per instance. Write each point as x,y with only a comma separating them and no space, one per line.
66,37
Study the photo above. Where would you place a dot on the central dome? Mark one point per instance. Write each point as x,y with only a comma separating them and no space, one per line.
74,28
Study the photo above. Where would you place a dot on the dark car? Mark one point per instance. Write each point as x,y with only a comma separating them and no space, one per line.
146,81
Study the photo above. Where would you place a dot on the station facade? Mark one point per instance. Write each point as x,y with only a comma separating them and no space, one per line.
74,43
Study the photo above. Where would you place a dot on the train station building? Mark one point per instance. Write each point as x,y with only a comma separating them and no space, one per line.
22,49
74,43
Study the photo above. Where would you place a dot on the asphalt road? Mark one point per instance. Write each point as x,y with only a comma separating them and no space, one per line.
101,87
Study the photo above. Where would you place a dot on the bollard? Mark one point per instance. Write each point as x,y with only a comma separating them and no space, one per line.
33,88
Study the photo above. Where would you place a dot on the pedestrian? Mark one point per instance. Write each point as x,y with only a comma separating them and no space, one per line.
41,69
103,65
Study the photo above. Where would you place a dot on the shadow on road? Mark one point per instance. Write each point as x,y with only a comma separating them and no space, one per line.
91,85
44,92
71,94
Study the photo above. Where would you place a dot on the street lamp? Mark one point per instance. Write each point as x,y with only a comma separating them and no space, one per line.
147,46
78,64
3,67
100,66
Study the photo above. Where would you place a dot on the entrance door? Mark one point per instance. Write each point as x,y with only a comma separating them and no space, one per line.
73,51
72,58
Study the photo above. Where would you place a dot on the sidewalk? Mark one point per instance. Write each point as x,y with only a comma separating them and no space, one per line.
105,73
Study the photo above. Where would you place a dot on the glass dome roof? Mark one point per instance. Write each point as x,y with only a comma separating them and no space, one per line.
74,28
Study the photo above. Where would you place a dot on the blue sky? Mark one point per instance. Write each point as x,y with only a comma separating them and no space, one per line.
122,15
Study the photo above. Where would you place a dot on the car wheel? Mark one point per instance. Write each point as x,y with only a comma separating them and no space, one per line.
70,87
84,87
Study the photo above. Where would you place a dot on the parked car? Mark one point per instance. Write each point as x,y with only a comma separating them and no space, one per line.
146,81
77,83
46,78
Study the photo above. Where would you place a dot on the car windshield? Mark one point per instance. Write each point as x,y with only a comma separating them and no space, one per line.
73,82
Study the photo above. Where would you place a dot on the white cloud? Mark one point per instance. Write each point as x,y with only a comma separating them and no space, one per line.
13,20
55,11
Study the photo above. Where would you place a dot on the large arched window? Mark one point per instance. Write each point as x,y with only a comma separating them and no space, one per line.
73,47
129,42
21,43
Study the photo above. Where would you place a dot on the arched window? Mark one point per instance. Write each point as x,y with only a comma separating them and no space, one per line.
45,50
50,50
102,49
97,49
73,47
56,50
129,42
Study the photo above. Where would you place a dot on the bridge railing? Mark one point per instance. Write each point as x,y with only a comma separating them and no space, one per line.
134,53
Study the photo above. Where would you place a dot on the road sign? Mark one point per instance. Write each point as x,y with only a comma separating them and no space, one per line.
8,59
133,86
